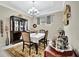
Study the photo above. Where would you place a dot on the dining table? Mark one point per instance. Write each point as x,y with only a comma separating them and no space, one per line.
35,37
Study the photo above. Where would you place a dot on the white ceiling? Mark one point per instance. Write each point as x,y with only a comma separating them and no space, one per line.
42,6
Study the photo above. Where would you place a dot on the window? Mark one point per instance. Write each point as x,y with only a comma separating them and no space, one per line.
44,20
49,19
38,20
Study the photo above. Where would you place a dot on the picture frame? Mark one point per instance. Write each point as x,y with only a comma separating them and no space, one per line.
1,28
34,25
67,14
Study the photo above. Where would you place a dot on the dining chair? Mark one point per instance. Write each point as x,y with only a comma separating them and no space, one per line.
27,41
44,40
42,31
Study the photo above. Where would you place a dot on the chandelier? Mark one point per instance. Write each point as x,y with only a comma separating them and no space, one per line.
33,11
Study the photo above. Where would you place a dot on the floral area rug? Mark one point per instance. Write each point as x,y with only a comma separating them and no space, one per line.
16,51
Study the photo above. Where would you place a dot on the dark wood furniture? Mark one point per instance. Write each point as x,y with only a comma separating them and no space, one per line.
44,40
27,41
35,37
51,52
17,25
42,31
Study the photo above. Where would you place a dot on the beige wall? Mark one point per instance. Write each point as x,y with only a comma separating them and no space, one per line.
5,14
54,26
72,30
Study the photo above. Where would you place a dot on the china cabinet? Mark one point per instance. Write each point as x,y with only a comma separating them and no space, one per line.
17,25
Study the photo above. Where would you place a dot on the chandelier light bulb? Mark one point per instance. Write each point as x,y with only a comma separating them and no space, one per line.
33,11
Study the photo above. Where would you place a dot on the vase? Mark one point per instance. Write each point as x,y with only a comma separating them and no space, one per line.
7,39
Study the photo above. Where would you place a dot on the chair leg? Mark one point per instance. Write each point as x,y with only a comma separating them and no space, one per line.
46,42
44,45
36,46
23,47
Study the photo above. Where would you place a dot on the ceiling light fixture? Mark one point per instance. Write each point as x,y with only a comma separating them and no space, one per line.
33,11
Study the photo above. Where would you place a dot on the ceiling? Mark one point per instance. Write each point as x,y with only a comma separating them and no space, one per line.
43,6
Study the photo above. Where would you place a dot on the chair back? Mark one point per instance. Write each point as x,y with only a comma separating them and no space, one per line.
26,36
42,31
46,35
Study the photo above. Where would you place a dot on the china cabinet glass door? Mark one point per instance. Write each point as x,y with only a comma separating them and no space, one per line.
16,25
21,25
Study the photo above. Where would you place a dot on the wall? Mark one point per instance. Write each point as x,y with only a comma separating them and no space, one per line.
72,30
5,14
54,26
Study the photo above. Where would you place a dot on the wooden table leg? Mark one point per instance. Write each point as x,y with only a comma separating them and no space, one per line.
36,46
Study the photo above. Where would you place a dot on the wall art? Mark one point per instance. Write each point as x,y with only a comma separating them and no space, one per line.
67,14
1,28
